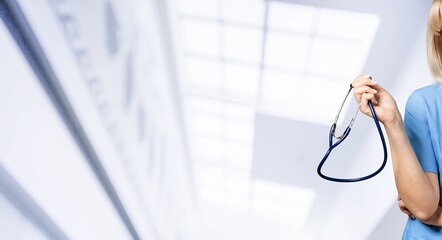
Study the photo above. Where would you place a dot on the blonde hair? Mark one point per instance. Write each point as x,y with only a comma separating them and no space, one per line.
434,40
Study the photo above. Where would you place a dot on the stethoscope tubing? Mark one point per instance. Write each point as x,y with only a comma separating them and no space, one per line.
345,134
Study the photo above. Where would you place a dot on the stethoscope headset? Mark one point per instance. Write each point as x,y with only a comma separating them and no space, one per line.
332,135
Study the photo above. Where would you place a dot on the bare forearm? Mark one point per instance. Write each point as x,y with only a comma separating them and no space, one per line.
412,184
436,219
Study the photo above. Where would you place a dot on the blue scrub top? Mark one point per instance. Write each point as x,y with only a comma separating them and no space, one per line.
423,123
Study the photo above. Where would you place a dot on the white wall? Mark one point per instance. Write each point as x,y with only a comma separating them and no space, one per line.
363,205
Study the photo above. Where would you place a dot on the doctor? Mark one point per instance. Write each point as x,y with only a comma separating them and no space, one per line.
416,141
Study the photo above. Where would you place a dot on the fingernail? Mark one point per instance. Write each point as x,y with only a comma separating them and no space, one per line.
374,91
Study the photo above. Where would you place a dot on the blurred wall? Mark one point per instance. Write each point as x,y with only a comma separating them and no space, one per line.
91,130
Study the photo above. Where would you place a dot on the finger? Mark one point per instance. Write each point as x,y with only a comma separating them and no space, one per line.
364,108
401,204
370,97
363,105
365,97
364,89
363,80
361,76
403,208
406,211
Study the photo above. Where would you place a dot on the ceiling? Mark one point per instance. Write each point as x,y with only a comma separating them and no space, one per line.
261,82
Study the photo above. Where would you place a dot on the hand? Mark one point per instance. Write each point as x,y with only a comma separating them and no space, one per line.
403,208
366,89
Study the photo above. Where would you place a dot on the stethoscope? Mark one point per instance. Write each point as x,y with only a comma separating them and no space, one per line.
342,138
